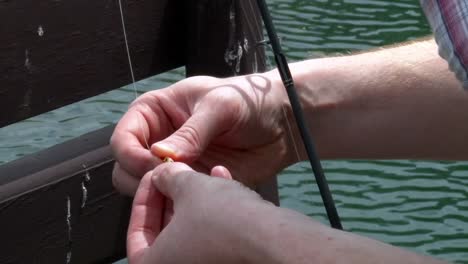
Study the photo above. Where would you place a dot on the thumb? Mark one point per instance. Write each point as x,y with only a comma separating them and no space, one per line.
192,138
174,179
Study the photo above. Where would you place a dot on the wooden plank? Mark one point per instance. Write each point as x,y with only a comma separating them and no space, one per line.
52,156
66,213
223,37
55,53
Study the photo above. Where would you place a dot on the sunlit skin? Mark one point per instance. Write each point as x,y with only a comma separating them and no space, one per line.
236,122
147,220
217,220
380,104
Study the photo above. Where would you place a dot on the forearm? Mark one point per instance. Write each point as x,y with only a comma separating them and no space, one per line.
289,237
400,102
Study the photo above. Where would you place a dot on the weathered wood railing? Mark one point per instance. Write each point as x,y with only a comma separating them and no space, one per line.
58,205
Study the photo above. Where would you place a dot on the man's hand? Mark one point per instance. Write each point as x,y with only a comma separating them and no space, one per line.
209,221
213,220
204,121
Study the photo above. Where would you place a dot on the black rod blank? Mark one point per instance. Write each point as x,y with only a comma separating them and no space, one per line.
288,82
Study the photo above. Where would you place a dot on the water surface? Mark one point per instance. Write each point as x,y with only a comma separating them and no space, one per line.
418,205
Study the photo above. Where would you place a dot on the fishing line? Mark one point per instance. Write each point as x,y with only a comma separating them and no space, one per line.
288,83
166,202
130,65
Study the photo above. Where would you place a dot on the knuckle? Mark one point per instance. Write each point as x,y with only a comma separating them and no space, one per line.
162,174
185,182
124,152
116,178
226,102
113,141
191,136
143,99
200,80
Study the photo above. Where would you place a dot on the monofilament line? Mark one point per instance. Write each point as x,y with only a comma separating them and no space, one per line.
130,65
291,135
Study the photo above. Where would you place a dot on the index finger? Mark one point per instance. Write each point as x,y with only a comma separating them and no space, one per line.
129,142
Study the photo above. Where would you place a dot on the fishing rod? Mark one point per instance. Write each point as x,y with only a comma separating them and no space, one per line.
288,83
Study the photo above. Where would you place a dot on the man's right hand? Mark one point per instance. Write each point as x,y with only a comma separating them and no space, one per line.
210,220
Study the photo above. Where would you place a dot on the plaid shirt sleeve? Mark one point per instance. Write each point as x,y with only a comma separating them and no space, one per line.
449,21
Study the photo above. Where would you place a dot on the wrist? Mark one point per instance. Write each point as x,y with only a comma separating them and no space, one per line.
323,95
259,234
285,236
289,237
286,122
320,94
248,236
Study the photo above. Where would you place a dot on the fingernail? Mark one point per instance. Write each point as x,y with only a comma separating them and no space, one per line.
162,150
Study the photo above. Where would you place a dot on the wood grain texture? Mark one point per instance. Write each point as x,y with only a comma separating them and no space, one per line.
41,160
68,208
55,53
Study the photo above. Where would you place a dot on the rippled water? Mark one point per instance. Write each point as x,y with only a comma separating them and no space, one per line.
419,205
